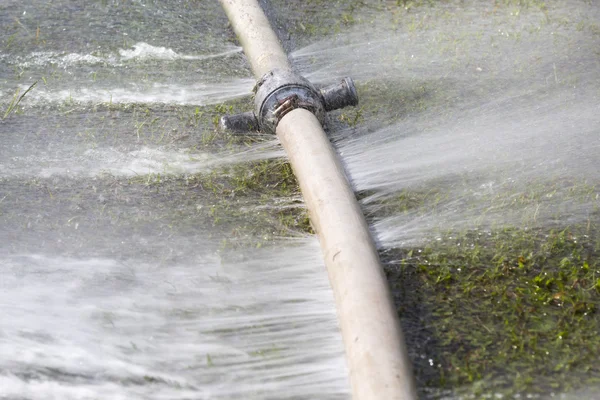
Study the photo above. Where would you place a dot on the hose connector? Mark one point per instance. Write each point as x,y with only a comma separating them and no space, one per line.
281,91
340,95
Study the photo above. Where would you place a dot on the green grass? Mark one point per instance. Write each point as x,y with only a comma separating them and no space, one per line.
17,97
248,203
241,206
509,311
499,308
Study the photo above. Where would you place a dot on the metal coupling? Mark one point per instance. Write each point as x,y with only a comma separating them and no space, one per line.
340,95
281,91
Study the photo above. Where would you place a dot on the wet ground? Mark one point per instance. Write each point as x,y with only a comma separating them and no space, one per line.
145,256
129,268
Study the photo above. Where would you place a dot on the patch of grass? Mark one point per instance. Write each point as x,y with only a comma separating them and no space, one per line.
250,202
402,202
524,4
139,124
241,206
16,100
509,311
497,309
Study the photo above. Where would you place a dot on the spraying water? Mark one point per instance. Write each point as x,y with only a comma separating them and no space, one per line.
486,124
110,288
115,280
479,110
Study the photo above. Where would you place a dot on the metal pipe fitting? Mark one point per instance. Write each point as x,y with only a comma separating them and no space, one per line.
280,91
239,123
340,95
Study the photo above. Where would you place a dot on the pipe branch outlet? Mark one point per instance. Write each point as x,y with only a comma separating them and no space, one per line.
280,91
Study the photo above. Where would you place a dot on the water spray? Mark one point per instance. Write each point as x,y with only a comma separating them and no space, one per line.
289,106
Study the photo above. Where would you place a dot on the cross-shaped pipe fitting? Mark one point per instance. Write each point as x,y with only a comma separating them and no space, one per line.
280,91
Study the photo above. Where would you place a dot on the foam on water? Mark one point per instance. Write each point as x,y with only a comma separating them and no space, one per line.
81,68
140,51
145,51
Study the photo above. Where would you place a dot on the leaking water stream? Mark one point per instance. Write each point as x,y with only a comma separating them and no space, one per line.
126,273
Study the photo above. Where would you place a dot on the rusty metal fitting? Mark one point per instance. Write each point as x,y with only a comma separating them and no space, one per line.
280,91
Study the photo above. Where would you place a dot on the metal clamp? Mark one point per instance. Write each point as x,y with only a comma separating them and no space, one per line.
281,91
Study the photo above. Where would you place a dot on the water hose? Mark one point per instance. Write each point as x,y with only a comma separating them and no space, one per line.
291,107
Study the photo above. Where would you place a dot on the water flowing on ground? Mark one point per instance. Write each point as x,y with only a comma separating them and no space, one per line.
127,274
105,293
